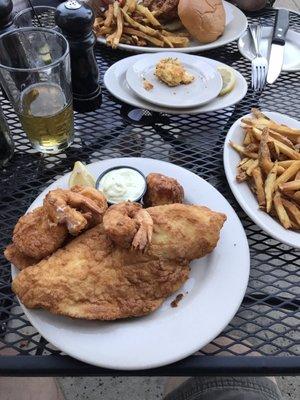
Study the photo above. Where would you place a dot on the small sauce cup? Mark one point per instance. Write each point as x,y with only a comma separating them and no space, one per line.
122,183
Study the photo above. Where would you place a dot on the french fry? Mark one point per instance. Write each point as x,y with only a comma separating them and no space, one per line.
264,158
109,16
130,6
145,29
254,164
282,147
148,14
241,175
292,210
296,197
281,212
242,150
166,40
266,121
286,163
119,31
155,41
289,173
243,161
247,164
259,186
297,176
178,41
105,30
269,187
290,186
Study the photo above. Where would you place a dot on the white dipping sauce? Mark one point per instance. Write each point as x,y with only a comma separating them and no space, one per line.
122,184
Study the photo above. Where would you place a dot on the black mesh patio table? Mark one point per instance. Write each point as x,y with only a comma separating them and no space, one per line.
267,322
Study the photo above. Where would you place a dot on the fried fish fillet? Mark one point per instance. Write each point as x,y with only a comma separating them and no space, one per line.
93,278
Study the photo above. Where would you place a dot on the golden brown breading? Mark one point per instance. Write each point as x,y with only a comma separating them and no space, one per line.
36,237
20,260
162,190
182,231
92,279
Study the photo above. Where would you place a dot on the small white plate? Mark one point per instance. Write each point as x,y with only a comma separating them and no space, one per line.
242,192
291,61
216,287
115,82
236,24
206,85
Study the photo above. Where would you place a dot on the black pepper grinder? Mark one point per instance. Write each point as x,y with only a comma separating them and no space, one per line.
6,23
76,23
6,18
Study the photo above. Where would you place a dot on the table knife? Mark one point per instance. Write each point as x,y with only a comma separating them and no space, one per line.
277,47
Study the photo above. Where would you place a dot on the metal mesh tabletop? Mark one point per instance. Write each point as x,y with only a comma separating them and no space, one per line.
267,323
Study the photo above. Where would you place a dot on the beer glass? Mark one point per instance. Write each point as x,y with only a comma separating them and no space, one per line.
35,74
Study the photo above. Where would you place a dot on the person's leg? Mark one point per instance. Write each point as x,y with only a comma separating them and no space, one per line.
28,388
226,388
223,388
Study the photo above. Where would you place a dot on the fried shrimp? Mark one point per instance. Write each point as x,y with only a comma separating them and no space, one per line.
78,208
128,225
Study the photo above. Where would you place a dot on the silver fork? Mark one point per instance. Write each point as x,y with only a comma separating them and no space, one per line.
259,63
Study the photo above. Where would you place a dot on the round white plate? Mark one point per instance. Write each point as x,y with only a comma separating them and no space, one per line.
115,82
242,192
291,61
206,85
216,287
236,24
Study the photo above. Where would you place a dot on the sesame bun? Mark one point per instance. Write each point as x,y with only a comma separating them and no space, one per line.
204,19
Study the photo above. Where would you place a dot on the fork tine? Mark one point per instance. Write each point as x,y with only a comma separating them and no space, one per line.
260,78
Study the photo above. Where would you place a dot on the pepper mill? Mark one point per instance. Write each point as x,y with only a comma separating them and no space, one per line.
6,18
6,23
76,23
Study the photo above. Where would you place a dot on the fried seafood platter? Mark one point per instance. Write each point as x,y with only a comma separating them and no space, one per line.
79,257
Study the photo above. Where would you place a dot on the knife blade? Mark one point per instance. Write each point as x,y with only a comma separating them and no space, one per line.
277,48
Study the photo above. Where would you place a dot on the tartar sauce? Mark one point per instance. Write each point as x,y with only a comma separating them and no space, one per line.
122,184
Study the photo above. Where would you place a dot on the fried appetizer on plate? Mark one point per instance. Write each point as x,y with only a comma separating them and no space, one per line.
42,231
162,190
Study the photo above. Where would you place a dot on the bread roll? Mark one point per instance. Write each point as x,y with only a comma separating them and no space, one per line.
204,19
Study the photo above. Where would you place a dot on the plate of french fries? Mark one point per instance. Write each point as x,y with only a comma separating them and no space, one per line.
262,166
129,25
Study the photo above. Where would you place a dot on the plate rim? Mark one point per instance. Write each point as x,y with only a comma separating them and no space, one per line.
290,31
218,78
255,215
134,101
246,257
191,49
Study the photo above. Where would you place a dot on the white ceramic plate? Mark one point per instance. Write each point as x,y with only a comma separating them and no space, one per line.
236,24
115,82
242,192
291,61
216,287
206,85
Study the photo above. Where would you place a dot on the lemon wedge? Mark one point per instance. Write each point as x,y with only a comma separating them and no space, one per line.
228,78
81,176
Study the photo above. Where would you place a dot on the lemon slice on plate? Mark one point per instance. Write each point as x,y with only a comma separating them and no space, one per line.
228,77
81,176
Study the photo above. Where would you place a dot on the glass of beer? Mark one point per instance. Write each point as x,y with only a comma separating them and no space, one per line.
36,76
